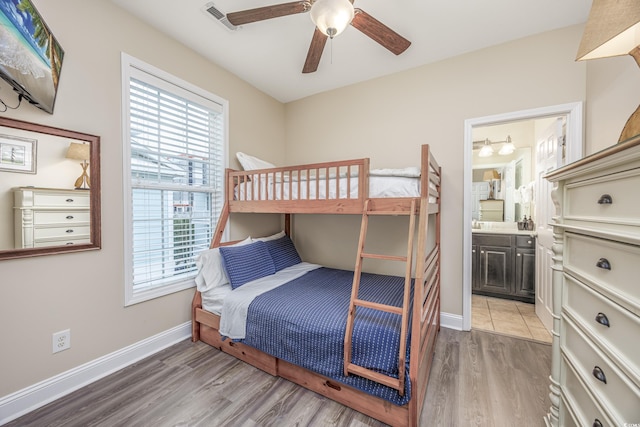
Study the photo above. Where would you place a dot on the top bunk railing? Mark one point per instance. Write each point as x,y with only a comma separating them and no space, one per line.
330,187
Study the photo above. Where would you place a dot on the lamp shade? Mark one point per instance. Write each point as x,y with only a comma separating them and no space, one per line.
490,175
613,29
332,16
78,151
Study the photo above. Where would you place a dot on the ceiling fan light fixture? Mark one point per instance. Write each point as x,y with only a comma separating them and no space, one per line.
332,16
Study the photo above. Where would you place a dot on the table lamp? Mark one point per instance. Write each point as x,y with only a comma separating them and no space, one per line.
79,151
613,29
489,176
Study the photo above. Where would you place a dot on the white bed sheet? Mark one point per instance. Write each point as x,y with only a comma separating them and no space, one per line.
379,186
235,304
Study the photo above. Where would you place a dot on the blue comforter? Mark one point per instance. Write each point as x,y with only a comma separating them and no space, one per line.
304,320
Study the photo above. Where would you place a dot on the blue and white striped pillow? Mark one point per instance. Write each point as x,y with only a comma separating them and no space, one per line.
283,252
246,263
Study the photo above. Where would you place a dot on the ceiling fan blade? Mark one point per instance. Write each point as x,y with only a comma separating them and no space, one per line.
267,12
379,32
315,51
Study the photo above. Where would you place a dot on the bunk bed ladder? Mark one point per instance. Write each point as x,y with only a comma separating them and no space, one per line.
349,367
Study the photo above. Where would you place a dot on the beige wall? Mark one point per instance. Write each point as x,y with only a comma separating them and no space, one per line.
388,118
85,292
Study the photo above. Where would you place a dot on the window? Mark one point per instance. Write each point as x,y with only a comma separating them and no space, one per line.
174,153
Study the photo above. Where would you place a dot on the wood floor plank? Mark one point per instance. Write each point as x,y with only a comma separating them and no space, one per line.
477,379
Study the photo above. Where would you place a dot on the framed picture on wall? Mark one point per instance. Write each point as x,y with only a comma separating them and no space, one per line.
17,154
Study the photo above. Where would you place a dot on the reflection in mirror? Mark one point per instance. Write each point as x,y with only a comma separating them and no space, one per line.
49,190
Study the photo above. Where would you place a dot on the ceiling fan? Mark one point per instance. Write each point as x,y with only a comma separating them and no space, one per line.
322,12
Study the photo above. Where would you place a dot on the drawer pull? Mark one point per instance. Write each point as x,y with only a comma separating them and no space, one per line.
604,264
597,423
605,199
69,217
69,200
600,376
519,254
603,320
69,231
69,243
528,242
333,386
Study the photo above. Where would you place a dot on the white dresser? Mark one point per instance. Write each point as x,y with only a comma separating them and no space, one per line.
595,378
51,217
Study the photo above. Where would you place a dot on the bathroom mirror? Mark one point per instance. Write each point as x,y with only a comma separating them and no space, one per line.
49,190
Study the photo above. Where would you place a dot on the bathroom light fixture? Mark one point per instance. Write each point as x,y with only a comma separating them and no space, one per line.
332,16
77,151
487,149
507,148
613,29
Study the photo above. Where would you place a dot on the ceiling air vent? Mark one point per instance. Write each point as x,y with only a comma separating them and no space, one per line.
219,16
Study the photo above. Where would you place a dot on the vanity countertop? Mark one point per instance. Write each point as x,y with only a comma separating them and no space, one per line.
503,231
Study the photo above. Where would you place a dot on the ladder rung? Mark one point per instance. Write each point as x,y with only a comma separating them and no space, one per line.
375,376
378,306
387,257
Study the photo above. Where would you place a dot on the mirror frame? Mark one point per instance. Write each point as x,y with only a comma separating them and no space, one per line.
94,184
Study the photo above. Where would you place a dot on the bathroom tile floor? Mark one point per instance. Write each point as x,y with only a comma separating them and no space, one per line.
513,318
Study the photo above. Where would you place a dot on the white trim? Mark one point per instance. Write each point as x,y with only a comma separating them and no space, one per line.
131,66
451,321
575,147
30,398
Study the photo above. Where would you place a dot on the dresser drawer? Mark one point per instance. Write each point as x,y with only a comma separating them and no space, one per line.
61,217
615,392
579,407
586,200
80,199
593,313
614,268
68,242
55,233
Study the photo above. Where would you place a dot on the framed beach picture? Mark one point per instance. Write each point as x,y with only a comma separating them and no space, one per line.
17,154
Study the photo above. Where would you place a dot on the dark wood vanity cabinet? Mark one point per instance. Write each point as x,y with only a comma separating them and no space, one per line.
504,266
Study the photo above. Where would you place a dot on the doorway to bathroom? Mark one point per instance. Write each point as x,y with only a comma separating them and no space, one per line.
507,211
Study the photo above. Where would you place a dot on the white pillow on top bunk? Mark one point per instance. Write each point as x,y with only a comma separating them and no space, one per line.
276,236
250,162
211,273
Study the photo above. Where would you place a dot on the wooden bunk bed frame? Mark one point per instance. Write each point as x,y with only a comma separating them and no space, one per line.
426,298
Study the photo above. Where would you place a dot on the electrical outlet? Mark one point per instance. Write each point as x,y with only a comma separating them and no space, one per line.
61,340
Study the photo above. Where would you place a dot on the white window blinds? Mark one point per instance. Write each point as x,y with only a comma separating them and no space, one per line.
176,159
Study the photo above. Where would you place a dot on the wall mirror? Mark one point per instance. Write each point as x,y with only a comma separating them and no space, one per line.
49,190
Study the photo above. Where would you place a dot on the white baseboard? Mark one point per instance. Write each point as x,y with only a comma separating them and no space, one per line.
28,399
451,321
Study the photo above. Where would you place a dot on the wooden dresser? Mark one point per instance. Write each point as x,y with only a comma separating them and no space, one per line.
595,378
51,217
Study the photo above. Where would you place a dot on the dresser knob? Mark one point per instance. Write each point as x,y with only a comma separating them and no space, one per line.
69,200
605,199
604,264
597,423
600,376
69,216
603,320
69,231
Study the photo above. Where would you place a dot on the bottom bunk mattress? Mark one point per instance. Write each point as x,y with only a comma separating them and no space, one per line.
303,322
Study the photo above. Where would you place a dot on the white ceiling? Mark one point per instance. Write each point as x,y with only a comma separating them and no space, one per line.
270,54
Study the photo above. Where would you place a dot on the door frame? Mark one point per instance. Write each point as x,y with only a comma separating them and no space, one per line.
574,146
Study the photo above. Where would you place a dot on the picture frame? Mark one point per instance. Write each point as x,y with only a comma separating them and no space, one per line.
18,154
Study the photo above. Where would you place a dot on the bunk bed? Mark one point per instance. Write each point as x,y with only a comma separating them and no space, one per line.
343,187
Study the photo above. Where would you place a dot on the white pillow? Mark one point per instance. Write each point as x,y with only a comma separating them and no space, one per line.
250,163
272,237
211,273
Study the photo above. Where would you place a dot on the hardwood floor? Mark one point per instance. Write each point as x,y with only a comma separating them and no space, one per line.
477,379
